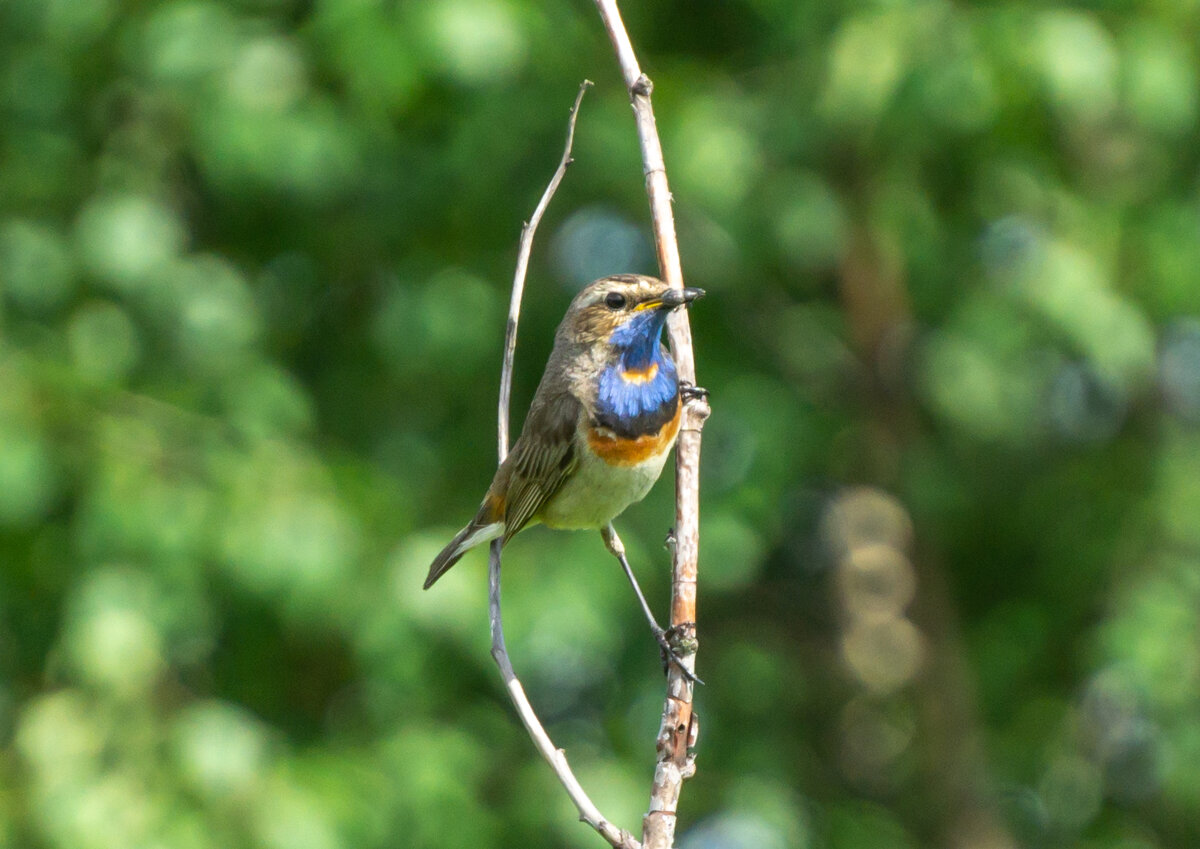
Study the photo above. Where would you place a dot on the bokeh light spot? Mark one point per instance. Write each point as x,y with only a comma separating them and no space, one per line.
123,239
865,517
474,41
720,161
221,749
876,582
1078,62
110,637
867,60
60,737
268,74
884,655
217,319
594,242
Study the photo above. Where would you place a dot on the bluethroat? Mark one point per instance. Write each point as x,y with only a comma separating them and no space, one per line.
601,424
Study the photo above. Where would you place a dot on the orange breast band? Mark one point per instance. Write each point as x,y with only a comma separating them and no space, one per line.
644,375
629,452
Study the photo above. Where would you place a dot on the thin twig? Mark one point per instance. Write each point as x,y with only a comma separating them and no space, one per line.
677,732
518,287
588,812
557,758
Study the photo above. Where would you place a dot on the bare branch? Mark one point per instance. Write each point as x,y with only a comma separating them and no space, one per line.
518,287
557,758
677,732
588,812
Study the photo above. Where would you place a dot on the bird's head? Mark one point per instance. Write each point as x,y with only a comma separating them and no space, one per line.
625,311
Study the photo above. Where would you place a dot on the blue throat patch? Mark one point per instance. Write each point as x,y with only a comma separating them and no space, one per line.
639,392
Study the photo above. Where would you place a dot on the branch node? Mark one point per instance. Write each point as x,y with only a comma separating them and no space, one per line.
682,638
642,86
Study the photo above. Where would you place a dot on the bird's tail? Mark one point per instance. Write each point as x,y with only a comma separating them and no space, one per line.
466,539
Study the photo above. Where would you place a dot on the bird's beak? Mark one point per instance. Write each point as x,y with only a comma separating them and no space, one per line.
672,298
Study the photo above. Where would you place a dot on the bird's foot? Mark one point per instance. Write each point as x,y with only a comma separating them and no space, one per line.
674,639
692,392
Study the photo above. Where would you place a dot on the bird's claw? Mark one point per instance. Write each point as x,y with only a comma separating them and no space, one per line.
692,392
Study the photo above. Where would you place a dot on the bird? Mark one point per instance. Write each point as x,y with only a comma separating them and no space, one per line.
599,429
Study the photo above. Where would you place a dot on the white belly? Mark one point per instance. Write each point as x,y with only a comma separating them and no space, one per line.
597,492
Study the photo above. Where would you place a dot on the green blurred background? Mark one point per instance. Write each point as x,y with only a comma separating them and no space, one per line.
254,263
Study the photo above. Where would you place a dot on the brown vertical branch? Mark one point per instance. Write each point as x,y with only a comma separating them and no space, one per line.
677,733
557,758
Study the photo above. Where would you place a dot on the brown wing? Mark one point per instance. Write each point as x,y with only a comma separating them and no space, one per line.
541,460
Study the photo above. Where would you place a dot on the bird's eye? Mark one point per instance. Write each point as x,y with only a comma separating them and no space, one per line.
615,301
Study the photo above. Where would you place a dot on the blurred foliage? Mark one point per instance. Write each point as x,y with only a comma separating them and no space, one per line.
254,260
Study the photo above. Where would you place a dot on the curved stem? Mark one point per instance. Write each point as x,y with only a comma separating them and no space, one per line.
518,287
588,812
